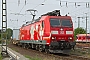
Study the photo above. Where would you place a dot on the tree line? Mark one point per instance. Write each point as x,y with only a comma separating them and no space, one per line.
7,34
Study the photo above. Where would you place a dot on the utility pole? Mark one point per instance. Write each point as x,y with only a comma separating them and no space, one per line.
79,21
86,27
4,28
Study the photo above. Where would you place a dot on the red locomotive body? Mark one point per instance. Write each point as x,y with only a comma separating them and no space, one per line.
51,33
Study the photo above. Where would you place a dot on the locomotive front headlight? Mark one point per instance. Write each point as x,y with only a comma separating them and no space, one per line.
53,38
70,38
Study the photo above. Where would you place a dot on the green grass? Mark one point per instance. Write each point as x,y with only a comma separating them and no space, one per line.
15,49
32,58
0,41
0,57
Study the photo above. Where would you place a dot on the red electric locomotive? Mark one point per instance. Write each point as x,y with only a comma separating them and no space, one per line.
50,33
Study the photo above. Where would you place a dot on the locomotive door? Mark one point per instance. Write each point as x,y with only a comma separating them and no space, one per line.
41,30
32,32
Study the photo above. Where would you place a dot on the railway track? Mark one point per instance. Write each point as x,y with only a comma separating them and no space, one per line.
68,57
83,45
51,56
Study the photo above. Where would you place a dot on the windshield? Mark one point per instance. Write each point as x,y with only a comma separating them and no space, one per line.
58,22
55,22
66,23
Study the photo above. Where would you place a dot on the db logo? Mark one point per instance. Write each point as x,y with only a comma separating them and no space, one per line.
61,32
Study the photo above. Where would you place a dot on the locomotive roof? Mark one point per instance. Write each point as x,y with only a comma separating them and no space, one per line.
43,18
53,13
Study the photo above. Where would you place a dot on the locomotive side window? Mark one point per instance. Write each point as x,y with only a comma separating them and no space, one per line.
88,37
54,22
66,23
42,24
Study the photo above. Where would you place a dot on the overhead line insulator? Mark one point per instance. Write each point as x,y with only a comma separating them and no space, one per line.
75,4
66,4
18,2
88,5
60,3
25,2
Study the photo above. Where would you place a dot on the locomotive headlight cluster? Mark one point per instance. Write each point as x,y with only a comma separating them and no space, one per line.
70,38
53,38
54,32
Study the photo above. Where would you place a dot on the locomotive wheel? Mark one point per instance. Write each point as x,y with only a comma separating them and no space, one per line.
20,44
37,47
47,51
40,48
33,46
23,45
27,46
30,46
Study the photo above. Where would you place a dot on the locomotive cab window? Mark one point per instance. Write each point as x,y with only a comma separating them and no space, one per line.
54,22
66,23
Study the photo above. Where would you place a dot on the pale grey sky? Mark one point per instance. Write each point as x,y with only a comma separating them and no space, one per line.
49,5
